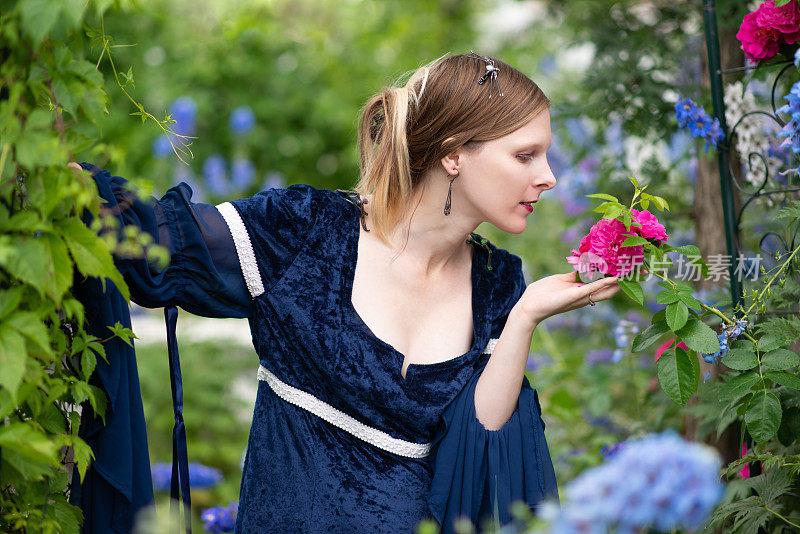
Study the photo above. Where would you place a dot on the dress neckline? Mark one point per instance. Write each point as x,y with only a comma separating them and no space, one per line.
480,306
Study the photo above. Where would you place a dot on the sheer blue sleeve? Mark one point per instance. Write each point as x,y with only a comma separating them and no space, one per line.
479,473
204,275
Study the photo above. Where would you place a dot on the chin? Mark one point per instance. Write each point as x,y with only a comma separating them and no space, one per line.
516,227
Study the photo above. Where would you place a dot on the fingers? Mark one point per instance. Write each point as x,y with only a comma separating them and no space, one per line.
599,289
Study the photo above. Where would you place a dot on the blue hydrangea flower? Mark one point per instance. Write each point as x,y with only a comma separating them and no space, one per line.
661,481
797,58
162,147
242,120
243,172
610,450
200,476
220,518
184,111
215,174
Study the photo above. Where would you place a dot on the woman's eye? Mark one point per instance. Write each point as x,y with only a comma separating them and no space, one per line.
524,157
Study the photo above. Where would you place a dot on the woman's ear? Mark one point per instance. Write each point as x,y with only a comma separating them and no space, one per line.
450,161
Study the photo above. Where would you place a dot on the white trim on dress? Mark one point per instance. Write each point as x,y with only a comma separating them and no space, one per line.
338,418
244,248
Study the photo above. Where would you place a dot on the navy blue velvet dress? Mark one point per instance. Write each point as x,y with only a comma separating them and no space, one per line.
285,259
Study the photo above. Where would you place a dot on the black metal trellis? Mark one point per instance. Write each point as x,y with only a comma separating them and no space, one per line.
732,219
728,180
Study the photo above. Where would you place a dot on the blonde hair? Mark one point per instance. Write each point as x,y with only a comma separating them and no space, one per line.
402,130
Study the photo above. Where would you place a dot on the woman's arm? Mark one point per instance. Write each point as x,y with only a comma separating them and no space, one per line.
498,388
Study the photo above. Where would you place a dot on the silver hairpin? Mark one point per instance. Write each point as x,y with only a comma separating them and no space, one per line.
491,74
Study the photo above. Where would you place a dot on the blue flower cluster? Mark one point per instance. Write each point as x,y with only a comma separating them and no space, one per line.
699,122
242,120
660,481
725,337
790,130
220,518
622,333
200,476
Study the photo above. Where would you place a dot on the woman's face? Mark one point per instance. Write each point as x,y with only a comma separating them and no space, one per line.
499,175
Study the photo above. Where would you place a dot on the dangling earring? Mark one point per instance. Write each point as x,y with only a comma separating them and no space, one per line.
449,195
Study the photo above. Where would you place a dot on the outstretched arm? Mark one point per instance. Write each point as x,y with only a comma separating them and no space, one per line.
498,388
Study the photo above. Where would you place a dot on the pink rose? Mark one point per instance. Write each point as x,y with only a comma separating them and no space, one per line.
758,42
785,19
651,228
601,250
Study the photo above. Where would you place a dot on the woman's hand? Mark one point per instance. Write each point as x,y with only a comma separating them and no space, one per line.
560,293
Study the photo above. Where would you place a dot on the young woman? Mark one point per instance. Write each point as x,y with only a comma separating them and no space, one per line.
392,339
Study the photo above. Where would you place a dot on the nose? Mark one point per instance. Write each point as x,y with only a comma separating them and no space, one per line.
546,178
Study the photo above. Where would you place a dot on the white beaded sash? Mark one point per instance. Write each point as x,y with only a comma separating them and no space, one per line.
244,248
339,419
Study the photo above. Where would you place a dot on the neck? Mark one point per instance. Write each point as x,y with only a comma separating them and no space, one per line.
435,242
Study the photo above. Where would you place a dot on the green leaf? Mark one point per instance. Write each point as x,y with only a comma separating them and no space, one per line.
677,314
741,360
634,241
634,182
738,385
763,416
780,359
699,336
52,419
90,254
676,375
690,301
789,430
83,455
604,197
650,335
783,378
88,363
27,260
31,326
666,296
12,359
633,289
613,211
688,250
769,342
38,18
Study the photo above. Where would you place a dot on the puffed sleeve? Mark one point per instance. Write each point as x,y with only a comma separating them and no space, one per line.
269,229
479,473
203,276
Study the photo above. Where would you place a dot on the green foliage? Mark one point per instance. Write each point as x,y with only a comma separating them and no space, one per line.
50,97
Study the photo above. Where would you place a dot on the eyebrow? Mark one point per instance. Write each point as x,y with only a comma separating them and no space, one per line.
533,145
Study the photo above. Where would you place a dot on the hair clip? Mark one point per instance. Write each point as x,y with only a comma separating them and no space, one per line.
491,73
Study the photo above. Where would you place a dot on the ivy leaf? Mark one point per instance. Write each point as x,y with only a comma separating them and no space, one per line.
780,359
763,416
90,254
676,375
633,289
698,336
12,359
649,336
